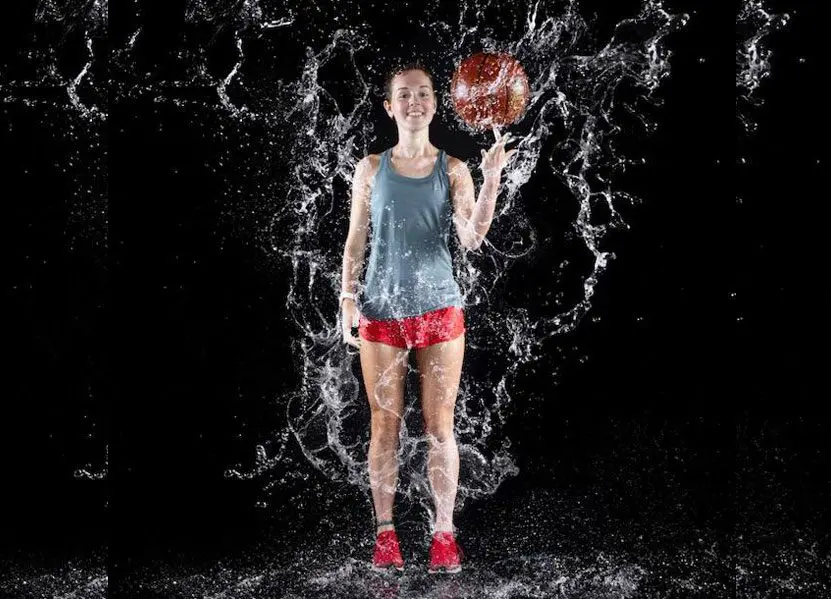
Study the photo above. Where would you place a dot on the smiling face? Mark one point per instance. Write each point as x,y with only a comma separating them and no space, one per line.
411,100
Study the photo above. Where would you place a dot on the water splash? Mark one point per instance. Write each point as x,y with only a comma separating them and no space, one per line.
533,577
754,23
95,22
89,473
57,86
76,578
70,103
585,95
558,545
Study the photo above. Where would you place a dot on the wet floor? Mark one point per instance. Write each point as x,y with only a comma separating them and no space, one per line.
544,544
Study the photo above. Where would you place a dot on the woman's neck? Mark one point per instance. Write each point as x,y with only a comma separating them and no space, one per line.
413,144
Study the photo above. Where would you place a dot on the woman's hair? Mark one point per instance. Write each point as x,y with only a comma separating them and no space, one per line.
410,66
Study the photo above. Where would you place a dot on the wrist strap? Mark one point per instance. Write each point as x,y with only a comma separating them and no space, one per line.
345,295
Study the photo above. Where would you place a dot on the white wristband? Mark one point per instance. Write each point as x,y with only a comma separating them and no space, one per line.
346,295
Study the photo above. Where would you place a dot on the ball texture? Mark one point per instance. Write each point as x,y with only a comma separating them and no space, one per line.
489,89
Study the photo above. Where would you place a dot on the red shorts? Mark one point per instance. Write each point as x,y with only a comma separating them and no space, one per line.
416,331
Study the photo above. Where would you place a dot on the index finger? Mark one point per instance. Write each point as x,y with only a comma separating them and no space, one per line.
496,132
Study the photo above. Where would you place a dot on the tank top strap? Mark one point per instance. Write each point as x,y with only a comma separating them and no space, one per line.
385,157
442,162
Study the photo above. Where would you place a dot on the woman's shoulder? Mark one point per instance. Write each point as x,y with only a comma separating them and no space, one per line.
372,160
455,166
453,161
368,165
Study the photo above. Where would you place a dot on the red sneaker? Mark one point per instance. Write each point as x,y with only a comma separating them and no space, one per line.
387,552
445,554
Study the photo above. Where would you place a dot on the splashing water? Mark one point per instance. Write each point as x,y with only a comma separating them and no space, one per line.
570,547
89,473
754,23
56,85
583,91
80,578
79,114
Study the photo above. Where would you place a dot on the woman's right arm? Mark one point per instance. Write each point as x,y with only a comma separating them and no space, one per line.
356,240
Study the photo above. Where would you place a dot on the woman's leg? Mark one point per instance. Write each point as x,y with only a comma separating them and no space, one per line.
384,369
440,369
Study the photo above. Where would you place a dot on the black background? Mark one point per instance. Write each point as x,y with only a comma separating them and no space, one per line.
713,315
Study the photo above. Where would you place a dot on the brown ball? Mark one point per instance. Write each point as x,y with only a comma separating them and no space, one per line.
489,89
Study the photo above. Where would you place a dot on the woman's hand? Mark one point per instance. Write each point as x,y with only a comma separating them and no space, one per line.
495,159
349,319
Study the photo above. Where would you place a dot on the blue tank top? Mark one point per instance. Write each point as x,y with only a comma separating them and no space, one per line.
410,270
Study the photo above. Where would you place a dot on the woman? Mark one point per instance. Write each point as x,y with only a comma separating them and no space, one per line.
412,193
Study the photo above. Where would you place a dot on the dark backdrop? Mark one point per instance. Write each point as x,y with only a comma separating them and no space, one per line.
713,315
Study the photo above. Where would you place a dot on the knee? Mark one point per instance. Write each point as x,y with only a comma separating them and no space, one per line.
439,430
385,425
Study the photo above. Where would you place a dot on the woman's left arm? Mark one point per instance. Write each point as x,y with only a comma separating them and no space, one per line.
473,219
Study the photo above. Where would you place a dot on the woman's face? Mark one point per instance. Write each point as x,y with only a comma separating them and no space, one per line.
413,101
